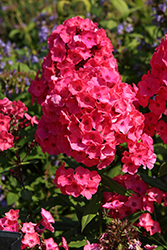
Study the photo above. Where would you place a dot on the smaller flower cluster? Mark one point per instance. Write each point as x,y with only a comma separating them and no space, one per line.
31,232
119,235
81,181
143,199
10,114
152,92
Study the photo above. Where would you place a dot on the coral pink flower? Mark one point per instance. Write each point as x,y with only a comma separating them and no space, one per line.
31,239
12,215
146,221
4,122
47,220
28,228
64,244
50,244
6,140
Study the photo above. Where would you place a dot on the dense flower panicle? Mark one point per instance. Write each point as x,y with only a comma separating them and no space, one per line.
87,109
81,181
153,87
10,114
119,206
31,233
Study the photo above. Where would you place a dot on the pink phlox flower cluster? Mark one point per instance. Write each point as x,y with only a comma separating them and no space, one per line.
149,224
9,222
31,233
152,92
87,109
78,182
119,206
10,114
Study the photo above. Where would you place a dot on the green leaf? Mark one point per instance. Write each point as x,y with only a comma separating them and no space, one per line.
131,10
154,182
26,194
134,217
13,33
120,246
23,67
162,170
109,24
121,6
114,186
160,148
30,26
85,2
151,31
11,198
77,244
60,6
91,210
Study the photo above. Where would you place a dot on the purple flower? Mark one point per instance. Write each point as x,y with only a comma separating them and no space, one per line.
102,1
2,44
3,8
27,81
149,2
4,203
54,27
129,28
43,34
34,59
10,62
162,7
2,65
52,17
1,197
2,177
120,28
16,90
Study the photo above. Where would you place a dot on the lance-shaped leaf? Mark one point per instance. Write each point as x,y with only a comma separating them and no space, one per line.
26,194
85,2
91,210
163,170
114,186
134,217
154,182
121,6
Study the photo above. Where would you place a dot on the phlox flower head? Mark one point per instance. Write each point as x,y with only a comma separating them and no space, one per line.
10,124
142,199
153,89
87,109
78,182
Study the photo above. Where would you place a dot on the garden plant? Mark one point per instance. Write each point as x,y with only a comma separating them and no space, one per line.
83,123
